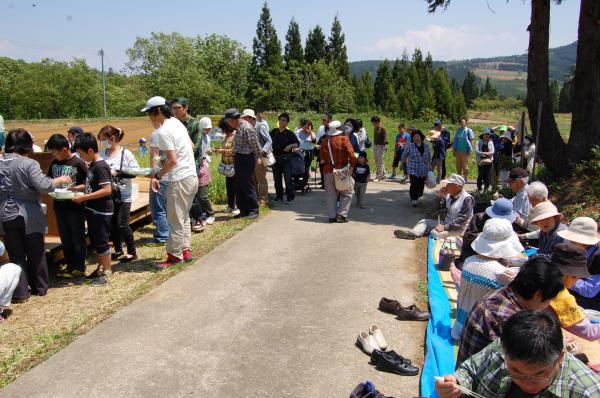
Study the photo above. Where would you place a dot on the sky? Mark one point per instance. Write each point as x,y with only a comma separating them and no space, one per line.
374,29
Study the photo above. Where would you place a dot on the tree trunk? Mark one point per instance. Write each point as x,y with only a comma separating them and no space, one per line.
585,127
551,145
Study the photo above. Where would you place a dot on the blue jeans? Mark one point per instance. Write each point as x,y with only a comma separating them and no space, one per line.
158,208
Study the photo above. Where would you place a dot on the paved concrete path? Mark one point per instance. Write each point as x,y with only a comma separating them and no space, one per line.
274,311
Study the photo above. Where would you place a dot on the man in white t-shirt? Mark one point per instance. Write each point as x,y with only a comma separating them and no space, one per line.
179,167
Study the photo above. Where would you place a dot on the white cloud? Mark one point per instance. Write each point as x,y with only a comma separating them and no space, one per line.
447,43
37,52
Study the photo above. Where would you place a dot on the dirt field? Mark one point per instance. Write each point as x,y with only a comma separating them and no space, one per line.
134,128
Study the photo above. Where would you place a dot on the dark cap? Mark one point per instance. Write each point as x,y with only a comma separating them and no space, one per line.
180,100
363,154
437,123
570,260
75,130
517,172
231,113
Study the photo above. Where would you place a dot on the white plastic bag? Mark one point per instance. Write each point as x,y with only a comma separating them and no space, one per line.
431,180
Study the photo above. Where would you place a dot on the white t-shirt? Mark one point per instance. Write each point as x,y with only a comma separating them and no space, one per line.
173,136
114,161
154,144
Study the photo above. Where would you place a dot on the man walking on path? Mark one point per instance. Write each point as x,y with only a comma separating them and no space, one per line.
246,149
180,167
380,138
264,139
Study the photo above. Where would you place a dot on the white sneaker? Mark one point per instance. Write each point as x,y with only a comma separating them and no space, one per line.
413,203
376,332
367,342
210,220
228,210
235,212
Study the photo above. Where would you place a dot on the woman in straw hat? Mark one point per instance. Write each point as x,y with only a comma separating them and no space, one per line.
483,273
547,217
583,233
571,261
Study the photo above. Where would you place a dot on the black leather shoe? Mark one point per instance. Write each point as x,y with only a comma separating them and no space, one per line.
386,362
412,313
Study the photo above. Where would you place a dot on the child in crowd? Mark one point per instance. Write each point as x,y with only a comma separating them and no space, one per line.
202,212
361,177
546,216
402,138
9,279
70,216
98,205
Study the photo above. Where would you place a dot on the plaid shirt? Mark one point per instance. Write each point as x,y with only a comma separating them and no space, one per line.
484,324
417,165
227,144
245,141
486,374
342,153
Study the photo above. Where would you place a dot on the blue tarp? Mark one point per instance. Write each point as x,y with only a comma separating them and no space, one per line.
439,357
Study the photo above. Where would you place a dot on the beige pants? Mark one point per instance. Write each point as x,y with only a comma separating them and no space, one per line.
331,197
260,182
379,151
180,196
462,163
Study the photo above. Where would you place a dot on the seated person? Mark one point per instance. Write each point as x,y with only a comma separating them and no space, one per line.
457,203
9,278
536,284
483,273
572,263
529,359
583,233
502,208
536,193
546,216
517,181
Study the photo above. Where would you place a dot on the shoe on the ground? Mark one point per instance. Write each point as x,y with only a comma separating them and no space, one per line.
392,177
390,306
102,280
16,300
229,210
341,219
402,234
235,212
403,179
289,201
333,220
187,256
155,243
394,354
277,200
414,203
239,215
128,258
210,220
95,274
199,226
366,342
115,256
68,273
387,362
376,332
171,261
6,312
412,313
253,215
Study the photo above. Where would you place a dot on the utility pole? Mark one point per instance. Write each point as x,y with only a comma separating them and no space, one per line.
101,54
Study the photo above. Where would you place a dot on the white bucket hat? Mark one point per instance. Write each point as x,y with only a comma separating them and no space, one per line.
581,230
543,211
498,240
205,123
248,112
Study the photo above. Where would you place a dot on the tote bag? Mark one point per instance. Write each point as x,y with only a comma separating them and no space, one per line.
343,179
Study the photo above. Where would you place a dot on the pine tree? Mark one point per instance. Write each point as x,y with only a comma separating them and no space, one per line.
384,96
470,88
443,94
337,52
363,87
266,47
315,48
293,46
459,106
489,91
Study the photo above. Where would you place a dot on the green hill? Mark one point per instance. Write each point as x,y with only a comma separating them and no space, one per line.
507,73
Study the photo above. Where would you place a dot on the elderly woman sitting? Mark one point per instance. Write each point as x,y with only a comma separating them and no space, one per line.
456,201
547,218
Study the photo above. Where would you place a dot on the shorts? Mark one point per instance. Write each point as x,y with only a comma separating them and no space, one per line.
98,226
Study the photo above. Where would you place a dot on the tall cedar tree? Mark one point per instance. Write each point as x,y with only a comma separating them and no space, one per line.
384,95
489,90
470,88
266,48
294,53
315,48
337,52
443,94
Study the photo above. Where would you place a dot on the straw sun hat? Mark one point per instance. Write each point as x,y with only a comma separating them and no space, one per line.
497,240
543,211
582,230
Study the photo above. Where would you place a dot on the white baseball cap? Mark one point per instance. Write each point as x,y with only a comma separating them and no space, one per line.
205,123
248,112
152,102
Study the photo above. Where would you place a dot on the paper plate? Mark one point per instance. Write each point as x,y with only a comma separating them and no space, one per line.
62,195
137,171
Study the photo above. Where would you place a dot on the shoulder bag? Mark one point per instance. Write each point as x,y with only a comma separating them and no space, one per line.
227,170
343,179
116,184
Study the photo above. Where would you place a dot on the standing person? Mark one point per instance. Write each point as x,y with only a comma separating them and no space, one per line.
402,139
337,156
70,216
158,199
321,135
265,141
22,221
284,143
484,155
117,158
361,176
10,274
529,150
439,153
505,156
362,136
351,131
445,134
99,205
307,139
172,138
227,159
462,145
202,212
261,121
142,148
417,158
72,135
246,149
380,139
